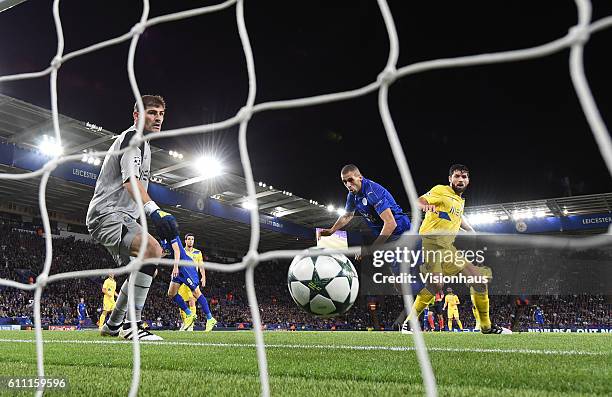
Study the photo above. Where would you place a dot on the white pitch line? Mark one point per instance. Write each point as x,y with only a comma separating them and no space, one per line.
322,347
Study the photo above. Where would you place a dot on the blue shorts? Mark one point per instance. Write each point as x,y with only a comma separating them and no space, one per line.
82,317
188,276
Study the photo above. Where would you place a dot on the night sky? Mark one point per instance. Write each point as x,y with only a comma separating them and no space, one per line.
518,126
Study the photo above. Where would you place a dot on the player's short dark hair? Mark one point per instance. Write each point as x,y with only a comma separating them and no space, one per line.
458,167
151,100
189,235
350,168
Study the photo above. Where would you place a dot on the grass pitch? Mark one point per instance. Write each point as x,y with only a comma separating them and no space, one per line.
319,363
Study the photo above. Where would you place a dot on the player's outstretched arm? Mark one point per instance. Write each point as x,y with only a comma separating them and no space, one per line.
388,227
342,221
177,258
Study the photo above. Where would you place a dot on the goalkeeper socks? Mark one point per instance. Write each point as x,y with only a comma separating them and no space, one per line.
181,303
142,282
204,305
459,324
481,301
423,299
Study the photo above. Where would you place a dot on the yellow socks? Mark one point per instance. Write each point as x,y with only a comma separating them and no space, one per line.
101,320
423,299
481,301
476,316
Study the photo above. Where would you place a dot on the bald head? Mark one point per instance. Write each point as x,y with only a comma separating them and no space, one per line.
350,168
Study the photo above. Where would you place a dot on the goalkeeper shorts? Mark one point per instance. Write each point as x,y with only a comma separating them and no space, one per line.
116,232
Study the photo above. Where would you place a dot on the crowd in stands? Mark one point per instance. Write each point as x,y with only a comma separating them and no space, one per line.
22,253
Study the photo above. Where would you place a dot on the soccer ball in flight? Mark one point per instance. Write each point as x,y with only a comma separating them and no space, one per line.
323,285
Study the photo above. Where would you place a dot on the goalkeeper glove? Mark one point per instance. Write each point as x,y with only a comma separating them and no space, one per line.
165,223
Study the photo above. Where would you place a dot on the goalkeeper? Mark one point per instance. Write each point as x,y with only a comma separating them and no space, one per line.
112,217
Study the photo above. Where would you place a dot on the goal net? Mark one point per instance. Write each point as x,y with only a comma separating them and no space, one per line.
575,40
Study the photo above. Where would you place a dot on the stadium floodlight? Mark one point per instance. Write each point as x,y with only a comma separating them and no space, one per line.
247,204
208,166
341,211
330,208
96,162
49,147
503,217
540,214
565,211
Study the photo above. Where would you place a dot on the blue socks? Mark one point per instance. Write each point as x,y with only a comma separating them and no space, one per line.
181,303
204,305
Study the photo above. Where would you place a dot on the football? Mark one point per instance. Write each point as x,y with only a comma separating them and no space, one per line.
323,285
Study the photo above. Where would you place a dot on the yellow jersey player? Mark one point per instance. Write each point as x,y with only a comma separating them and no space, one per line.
450,303
109,290
443,206
184,291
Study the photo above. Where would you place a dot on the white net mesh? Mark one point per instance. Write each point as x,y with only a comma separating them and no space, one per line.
576,39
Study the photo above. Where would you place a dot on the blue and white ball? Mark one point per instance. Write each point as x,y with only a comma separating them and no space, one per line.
323,285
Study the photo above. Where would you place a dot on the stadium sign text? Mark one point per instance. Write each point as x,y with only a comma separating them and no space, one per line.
84,174
578,330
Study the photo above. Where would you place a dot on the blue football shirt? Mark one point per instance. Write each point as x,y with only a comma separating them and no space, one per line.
371,201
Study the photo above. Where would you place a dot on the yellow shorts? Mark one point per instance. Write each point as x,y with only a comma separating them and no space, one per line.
185,292
108,305
440,257
452,313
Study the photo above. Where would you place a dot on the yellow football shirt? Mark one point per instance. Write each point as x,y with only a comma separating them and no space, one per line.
195,255
449,209
451,301
109,286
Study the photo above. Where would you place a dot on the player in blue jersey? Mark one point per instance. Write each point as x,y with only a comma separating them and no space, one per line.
384,216
82,313
538,317
189,276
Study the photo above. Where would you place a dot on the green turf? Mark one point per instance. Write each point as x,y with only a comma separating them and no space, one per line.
303,364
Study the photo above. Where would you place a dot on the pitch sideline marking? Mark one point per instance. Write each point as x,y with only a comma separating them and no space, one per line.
327,347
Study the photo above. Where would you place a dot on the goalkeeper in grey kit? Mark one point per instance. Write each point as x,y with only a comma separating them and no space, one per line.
112,217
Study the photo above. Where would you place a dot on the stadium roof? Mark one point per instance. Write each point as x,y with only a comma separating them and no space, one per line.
564,206
24,124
